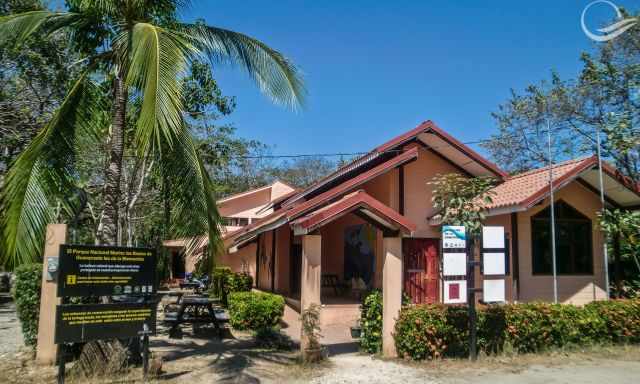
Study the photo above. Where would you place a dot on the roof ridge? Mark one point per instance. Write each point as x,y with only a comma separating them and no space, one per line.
546,167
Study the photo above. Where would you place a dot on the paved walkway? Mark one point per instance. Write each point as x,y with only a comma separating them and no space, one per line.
10,333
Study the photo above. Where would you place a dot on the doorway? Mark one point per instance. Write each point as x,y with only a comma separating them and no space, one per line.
421,269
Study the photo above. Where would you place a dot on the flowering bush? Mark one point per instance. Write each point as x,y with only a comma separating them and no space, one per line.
434,331
371,322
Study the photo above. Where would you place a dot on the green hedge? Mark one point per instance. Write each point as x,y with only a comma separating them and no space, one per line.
26,293
434,331
255,310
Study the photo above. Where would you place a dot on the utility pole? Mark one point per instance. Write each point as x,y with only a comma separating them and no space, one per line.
604,243
553,216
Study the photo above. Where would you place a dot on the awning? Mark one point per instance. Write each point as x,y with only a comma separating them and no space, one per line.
361,204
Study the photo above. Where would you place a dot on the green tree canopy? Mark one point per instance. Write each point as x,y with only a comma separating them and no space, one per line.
139,54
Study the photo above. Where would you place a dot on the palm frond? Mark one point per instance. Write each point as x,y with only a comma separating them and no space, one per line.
193,206
159,59
275,75
17,28
43,177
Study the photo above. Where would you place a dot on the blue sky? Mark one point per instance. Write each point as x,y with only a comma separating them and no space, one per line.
375,69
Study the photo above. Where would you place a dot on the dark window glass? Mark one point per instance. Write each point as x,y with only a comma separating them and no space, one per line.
574,251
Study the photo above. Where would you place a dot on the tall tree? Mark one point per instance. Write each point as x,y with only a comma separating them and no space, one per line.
605,96
33,82
144,52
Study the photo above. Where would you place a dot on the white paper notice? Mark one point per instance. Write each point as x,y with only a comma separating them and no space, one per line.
493,263
455,291
493,291
493,237
454,264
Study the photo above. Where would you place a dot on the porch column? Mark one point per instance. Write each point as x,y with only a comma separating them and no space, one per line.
391,292
310,279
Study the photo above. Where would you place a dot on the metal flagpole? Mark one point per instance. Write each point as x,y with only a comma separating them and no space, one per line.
604,245
553,217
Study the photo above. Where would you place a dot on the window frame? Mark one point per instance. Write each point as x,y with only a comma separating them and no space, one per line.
590,249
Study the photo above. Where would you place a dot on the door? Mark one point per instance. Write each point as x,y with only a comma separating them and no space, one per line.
295,268
421,261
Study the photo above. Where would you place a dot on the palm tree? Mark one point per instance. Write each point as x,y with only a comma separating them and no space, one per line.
144,55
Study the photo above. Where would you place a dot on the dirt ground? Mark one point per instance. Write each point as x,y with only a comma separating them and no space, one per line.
201,358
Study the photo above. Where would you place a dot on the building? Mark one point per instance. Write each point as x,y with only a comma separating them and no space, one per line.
237,211
372,222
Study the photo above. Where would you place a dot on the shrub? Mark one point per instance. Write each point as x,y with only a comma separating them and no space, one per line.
239,282
255,310
26,293
224,282
433,331
219,281
620,319
371,322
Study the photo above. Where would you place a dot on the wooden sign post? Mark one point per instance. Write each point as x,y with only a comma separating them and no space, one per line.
46,350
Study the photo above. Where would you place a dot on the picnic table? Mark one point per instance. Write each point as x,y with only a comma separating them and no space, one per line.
196,310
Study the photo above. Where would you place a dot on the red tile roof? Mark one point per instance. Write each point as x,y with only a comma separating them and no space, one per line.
529,187
430,126
294,212
396,144
349,185
359,200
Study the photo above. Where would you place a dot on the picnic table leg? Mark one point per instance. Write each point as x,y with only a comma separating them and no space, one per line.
212,313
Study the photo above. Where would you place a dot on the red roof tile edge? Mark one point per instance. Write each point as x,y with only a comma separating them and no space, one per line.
350,203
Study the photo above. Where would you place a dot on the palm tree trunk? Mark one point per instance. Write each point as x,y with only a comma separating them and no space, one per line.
108,227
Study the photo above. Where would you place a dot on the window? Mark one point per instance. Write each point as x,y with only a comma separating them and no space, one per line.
236,221
574,250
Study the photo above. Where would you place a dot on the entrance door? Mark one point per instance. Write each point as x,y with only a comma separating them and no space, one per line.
295,268
421,262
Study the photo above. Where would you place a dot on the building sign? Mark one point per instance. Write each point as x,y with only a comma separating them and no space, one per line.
103,271
80,323
453,236
455,291
454,264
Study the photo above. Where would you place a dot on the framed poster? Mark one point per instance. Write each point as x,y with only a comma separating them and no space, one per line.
493,291
455,291
454,236
454,264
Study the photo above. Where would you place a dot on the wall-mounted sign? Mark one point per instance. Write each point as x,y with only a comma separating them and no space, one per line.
493,291
493,237
493,263
80,323
454,264
455,291
104,271
453,236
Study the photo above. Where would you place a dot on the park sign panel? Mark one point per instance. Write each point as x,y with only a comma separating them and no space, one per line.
87,270
82,323
454,237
